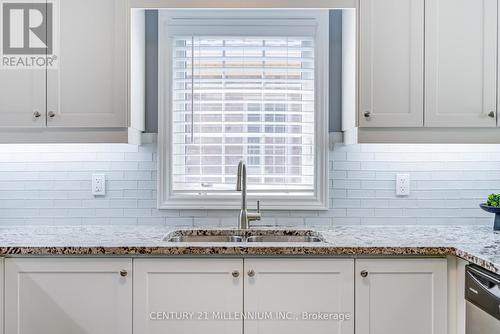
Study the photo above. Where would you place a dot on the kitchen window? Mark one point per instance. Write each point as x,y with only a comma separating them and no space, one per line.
243,84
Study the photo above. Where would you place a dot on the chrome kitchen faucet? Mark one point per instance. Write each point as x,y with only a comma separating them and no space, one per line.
245,217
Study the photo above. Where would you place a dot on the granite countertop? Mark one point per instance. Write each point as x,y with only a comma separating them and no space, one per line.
477,244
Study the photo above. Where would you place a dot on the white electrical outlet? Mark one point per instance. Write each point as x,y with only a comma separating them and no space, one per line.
403,184
98,184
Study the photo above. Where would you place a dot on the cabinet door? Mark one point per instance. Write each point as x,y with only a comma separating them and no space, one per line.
460,63
2,295
391,63
22,94
283,289
395,296
194,296
61,296
89,87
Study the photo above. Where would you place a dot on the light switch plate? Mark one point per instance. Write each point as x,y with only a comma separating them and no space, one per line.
98,184
403,184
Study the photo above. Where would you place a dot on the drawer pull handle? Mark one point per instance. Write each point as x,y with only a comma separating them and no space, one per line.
123,273
364,273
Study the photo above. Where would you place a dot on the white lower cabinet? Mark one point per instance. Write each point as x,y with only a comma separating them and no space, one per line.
215,295
205,296
68,296
395,296
301,295
1,295
187,296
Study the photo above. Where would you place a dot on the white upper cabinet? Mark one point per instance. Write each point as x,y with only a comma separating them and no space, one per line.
68,295
391,61
22,98
296,286
209,289
460,63
395,296
89,87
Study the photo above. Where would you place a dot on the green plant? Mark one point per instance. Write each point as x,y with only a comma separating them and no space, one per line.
494,200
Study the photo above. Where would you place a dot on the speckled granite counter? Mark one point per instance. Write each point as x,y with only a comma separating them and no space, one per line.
478,244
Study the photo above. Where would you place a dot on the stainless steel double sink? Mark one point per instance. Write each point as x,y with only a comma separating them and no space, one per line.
241,236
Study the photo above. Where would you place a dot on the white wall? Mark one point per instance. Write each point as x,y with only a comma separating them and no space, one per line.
50,184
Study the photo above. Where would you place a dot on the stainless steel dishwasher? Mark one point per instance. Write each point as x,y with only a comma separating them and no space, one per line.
482,295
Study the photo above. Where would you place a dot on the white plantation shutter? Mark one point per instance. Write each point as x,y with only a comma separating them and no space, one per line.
241,88
246,98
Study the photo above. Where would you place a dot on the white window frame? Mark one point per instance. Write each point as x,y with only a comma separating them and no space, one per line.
319,201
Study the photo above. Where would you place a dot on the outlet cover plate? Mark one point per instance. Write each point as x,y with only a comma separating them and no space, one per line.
98,184
403,184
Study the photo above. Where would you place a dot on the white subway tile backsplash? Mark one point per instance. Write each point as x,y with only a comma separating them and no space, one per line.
68,203
137,213
333,213
360,156
346,203
50,184
404,203
360,212
338,193
375,203
96,203
318,221
344,165
358,193
383,212
151,220
139,156
345,184
165,213
193,213
142,194
109,213
147,185
179,222
123,203
361,175
290,222
301,213
346,221
388,221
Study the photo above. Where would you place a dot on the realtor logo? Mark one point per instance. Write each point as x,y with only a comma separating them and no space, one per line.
27,34
27,28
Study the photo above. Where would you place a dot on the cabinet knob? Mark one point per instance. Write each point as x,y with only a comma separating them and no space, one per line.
235,274
251,273
491,114
367,114
364,273
37,114
123,273
51,114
